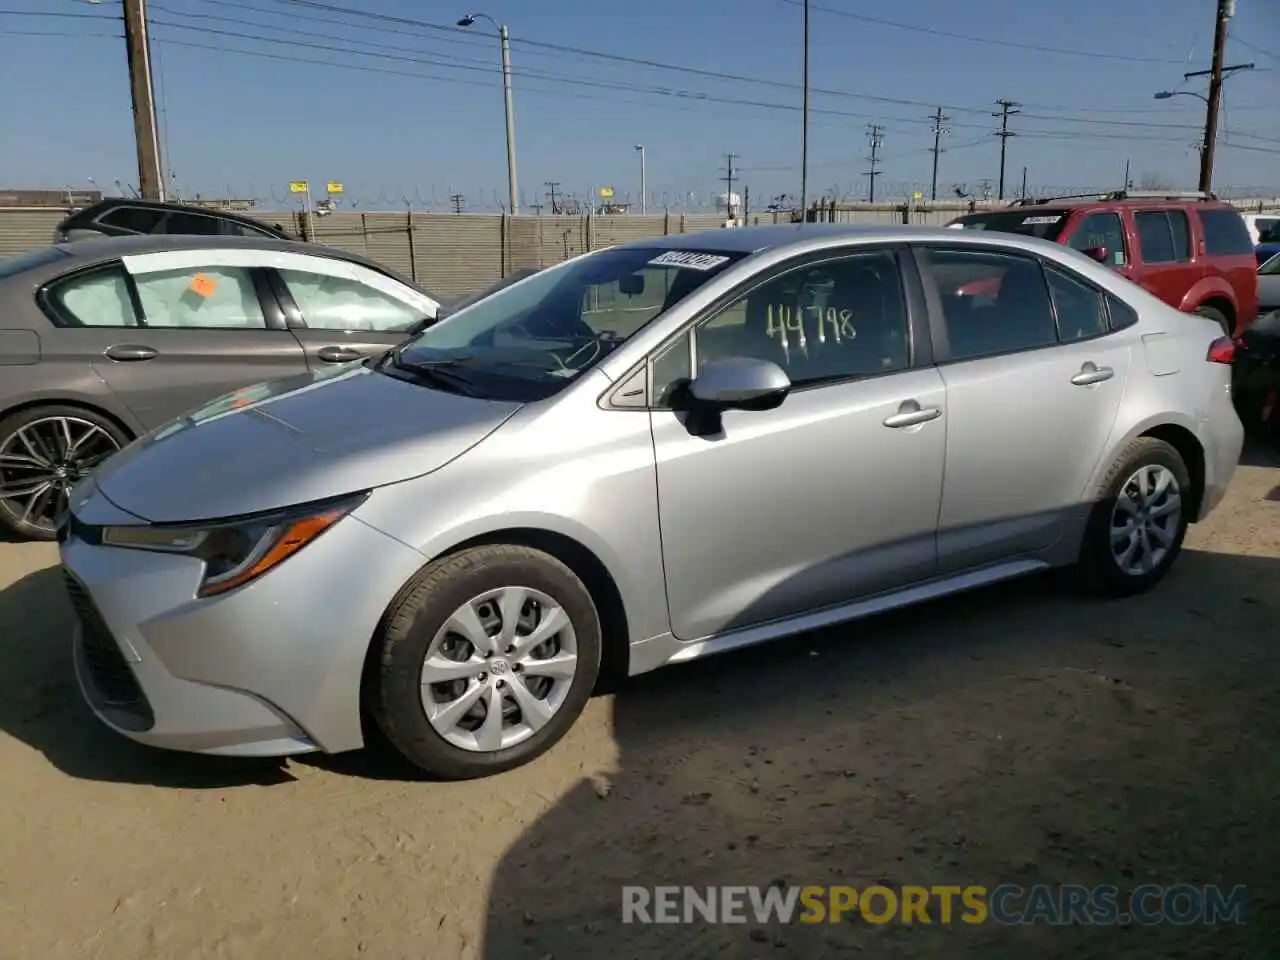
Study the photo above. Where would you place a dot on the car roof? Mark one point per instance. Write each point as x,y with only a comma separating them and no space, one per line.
748,240
108,203
81,253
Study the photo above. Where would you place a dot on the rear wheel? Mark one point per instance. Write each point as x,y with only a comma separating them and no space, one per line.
486,661
1218,317
44,452
1136,530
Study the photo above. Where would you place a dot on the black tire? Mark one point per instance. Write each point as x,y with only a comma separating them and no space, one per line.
11,514
1097,568
1218,317
413,621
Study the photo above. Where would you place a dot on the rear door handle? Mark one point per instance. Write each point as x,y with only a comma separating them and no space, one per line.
338,354
125,352
1091,373
910,413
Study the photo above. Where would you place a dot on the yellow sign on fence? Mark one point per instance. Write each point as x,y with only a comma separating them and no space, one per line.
606,192
298,186
333,186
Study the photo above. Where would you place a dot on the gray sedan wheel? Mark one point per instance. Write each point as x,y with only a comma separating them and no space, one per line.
486,660
44,452
1137,527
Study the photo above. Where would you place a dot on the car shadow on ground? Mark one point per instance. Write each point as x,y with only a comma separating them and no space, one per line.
1019,734
1259,452
40,705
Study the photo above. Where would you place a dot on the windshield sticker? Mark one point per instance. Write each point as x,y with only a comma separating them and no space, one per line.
1028,220
690,261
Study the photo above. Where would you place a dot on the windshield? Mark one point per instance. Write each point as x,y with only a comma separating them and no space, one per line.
1045,224
528,340
32,258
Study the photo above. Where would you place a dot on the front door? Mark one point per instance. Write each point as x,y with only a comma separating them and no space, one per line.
168,340
341,311
830,497
1033,383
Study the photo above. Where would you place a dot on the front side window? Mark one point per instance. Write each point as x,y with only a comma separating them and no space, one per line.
202,298
533,337
992,303
1225,233
336,303
99,298
189,224
234,228
835,320
1101,231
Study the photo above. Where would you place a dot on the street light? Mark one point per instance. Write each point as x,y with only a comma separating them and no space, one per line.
505,45
1166,94
644,194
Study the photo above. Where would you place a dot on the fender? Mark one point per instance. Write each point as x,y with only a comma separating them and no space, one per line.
1209,288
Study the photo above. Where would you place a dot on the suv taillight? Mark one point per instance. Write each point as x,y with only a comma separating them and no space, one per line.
1222,350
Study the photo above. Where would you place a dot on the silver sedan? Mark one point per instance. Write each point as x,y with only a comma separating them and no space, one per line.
643,456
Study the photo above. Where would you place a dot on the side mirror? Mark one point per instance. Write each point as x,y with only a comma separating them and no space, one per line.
740,383
1096,253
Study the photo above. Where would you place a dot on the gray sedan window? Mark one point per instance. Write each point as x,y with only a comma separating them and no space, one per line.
97,299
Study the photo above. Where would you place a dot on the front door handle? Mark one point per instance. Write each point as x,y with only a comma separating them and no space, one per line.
910,414
339,354
1091,373
125,352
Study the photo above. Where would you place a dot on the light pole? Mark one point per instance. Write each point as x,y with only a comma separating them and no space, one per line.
804,124
644,190
512,189
1166,94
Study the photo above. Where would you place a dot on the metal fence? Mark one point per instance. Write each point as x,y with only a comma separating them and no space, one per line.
456,254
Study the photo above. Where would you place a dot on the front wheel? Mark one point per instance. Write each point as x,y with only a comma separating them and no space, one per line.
487,659
1136,530
44,452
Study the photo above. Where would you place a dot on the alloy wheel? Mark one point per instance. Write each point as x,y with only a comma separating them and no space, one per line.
1145,520
499,669
42,460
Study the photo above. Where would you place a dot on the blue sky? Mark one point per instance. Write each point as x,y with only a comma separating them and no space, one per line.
398,128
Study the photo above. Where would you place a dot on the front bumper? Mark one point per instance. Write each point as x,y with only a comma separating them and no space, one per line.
271,669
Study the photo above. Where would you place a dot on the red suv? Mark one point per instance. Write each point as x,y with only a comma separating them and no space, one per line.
1193,251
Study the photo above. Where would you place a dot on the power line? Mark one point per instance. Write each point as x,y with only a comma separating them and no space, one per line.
1008,108
970,38
875,138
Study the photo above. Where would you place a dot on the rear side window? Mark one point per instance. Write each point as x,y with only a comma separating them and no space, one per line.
1121,314
1080,308
99,298
234,228
1161,240
133,219
190,223
1225,234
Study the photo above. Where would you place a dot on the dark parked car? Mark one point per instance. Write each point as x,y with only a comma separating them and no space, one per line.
125,217
1193,251
1256,377
1269,284
104,340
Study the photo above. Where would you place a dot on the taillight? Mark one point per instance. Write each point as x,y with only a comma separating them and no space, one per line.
1222,350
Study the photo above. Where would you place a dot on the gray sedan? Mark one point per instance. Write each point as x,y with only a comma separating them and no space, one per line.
103,340
1269,286
645,455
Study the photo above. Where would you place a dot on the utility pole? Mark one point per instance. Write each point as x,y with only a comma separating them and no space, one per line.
1024,183
875,137
138,48
552,187
457,200
1226,10
939,131
728,178
804,129
1008,108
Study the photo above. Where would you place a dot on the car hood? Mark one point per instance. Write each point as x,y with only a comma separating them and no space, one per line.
294,441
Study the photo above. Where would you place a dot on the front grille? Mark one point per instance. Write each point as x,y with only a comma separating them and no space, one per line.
114,686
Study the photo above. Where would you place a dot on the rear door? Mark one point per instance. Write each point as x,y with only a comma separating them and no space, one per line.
1165,264
167,333
341,311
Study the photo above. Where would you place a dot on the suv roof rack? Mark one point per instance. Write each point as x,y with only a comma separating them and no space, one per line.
1117,195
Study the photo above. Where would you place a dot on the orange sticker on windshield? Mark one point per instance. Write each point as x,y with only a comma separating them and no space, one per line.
203,285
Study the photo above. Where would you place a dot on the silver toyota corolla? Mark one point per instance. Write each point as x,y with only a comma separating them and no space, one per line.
646,455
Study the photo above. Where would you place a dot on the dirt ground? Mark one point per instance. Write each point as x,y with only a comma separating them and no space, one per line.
1016,735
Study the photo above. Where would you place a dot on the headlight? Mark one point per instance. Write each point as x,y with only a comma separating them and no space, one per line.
237,551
